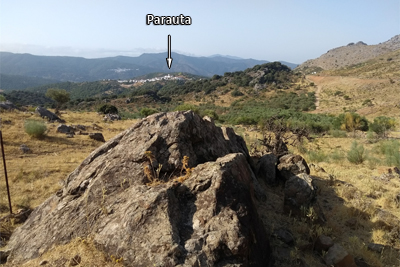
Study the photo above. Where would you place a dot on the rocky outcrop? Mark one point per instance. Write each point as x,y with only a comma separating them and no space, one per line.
44,113
7,105
209,219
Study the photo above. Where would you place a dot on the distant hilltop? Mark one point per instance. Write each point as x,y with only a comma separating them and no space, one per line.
351,54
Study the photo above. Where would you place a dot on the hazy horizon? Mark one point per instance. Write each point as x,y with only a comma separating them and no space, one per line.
289,31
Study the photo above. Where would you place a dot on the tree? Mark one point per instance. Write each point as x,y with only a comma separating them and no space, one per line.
108,109
382,125
59,95
351,122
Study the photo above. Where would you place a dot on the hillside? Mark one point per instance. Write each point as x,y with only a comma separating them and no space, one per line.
351,54
76,69
370,88
17,82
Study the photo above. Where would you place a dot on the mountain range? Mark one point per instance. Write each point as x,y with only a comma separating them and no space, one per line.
47,69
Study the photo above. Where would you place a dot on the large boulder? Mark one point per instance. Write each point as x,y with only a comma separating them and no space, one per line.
299,194
209,219
62,128
266,168
44,113
7,105
112,117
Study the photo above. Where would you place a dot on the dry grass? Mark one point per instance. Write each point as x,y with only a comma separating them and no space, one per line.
85,248
35,176
384,95
353,193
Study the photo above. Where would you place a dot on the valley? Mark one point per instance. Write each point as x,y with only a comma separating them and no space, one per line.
342,120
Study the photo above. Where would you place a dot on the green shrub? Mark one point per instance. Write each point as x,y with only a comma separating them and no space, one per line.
148,111
367,102
107,108
35,128
185,107
382,125
350,122
391,150
356,154
210,113
317,156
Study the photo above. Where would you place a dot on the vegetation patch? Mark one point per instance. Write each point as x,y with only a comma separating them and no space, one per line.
356,154
35,128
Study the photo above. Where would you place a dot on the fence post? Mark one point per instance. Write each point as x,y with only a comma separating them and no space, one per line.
5,171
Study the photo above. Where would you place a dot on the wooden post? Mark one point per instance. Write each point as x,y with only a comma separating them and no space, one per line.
5,171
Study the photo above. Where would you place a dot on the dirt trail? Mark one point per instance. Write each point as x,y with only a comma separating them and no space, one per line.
318,91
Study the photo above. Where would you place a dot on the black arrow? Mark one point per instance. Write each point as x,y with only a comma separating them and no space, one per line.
169,58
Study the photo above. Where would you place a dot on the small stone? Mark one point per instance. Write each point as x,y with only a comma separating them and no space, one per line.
335,254
76,260
376,247
44,262
360,262
70,135
97,136
24,148
323,243
284,235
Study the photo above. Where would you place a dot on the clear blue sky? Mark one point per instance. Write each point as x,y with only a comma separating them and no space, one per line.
289,30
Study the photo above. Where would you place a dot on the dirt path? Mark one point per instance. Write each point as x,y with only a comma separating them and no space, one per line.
317,92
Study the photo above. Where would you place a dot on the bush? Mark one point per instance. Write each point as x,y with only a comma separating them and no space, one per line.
210,113
148,111
356,154
391,150
317,156
35,128
185,107
236,93
351,122
107,108
382,125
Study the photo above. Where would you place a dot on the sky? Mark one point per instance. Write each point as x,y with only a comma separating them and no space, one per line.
288,30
